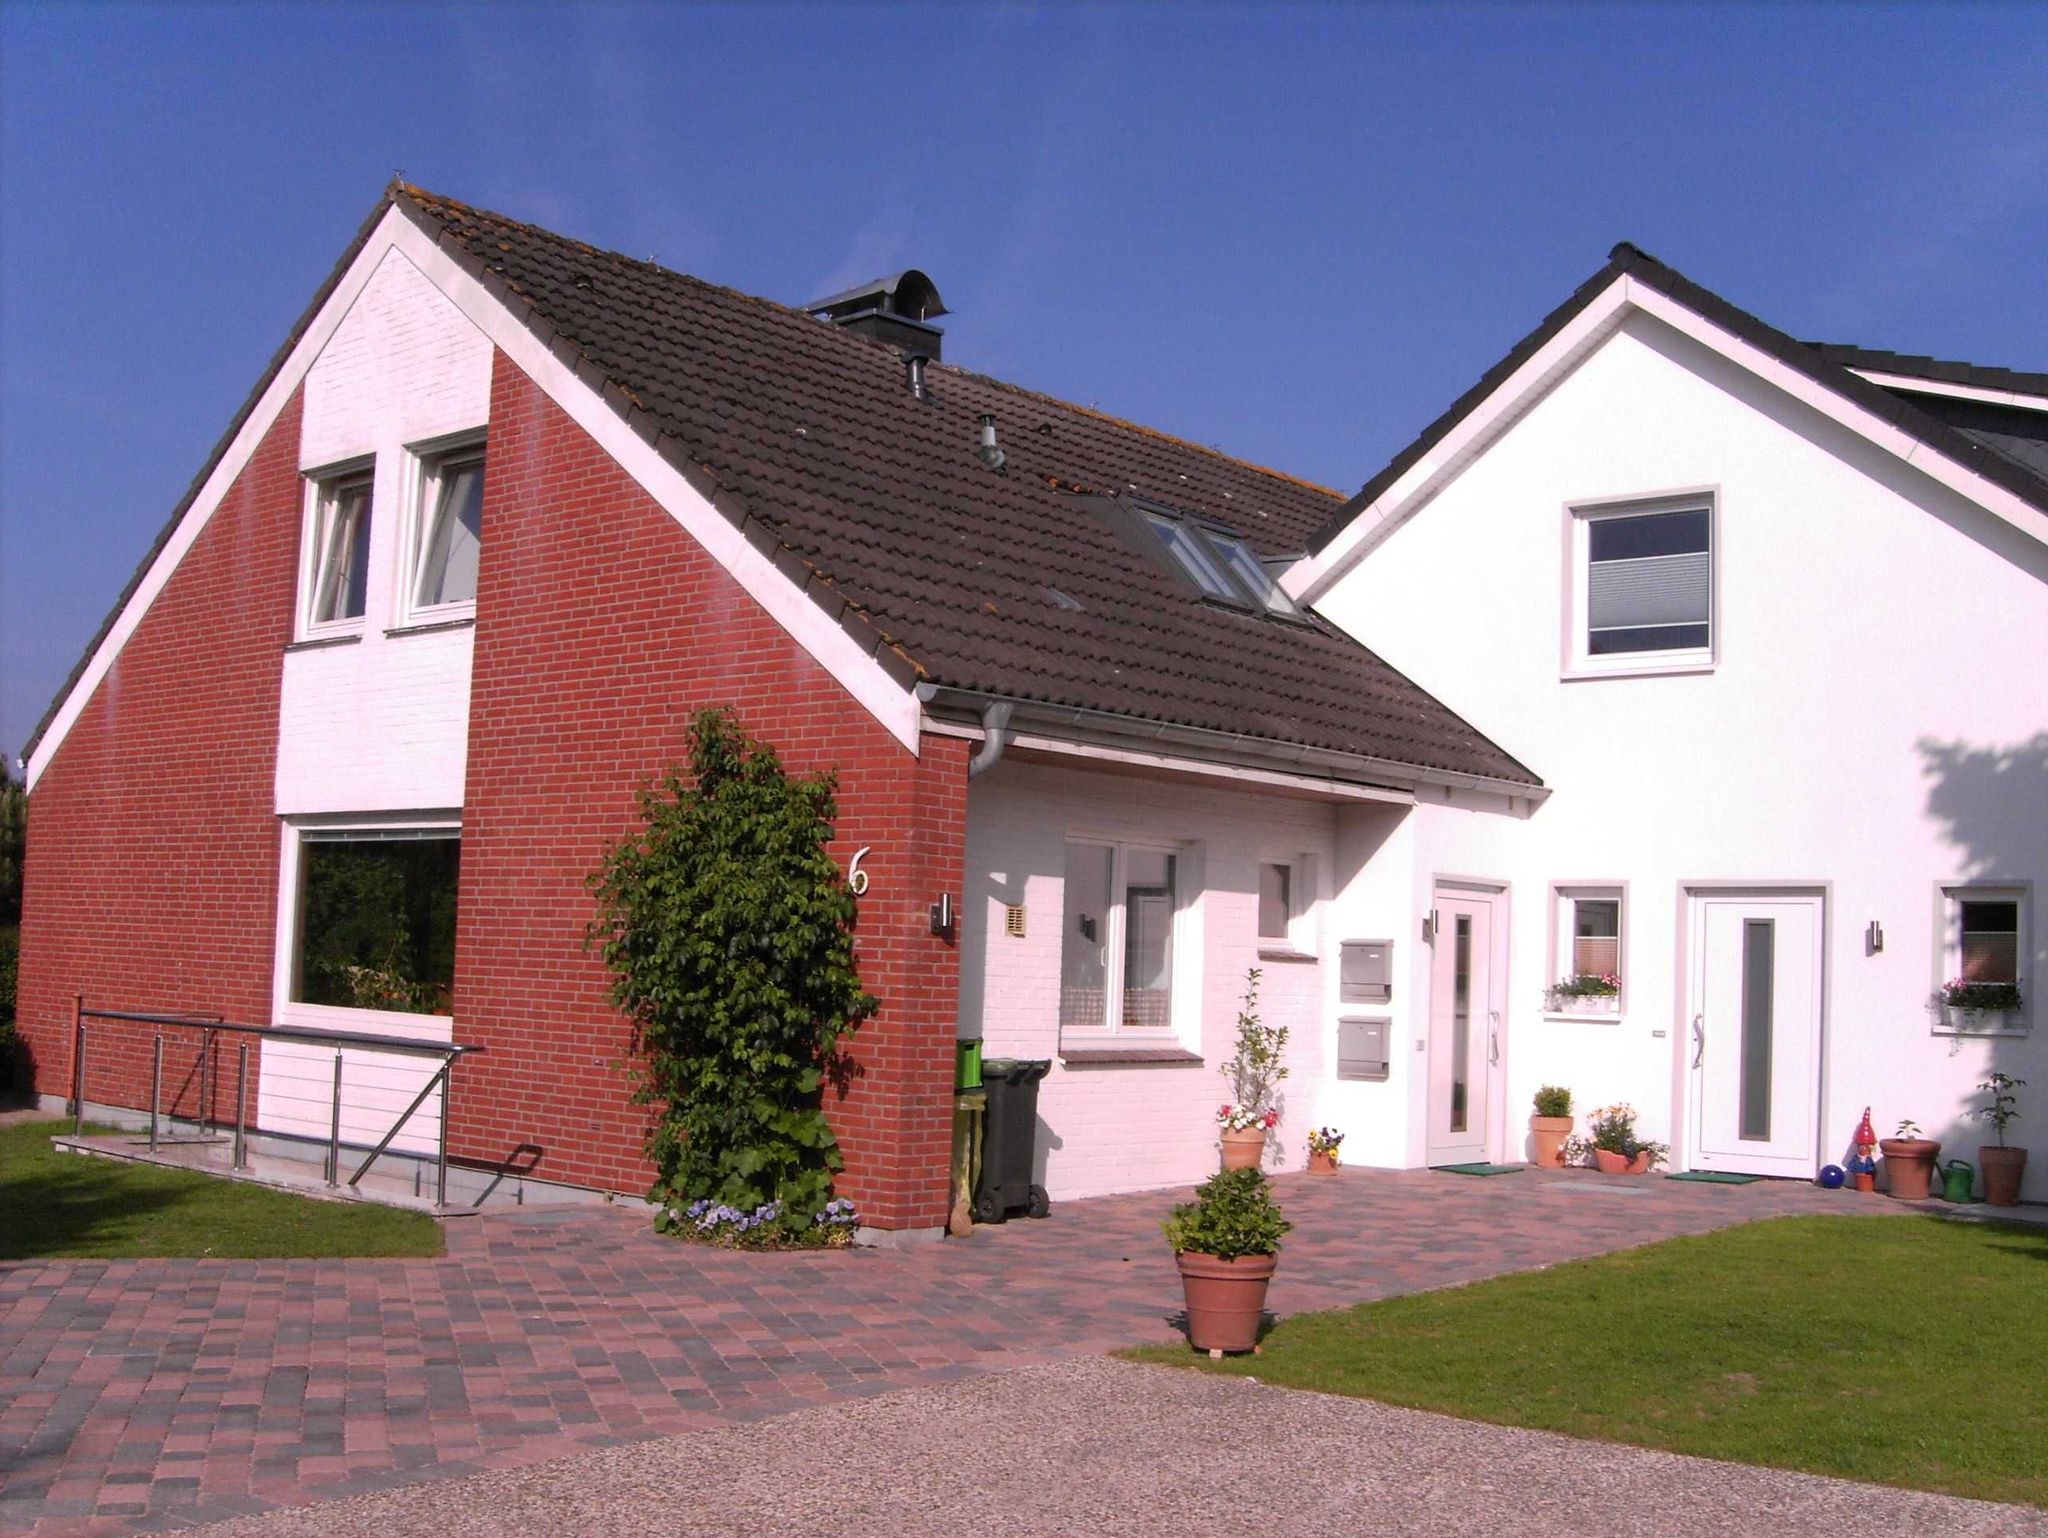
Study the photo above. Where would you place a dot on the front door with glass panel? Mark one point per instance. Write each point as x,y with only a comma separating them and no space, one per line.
1755,1033
1464,1028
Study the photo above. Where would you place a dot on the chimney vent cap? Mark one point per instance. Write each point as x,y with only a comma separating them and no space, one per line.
909,294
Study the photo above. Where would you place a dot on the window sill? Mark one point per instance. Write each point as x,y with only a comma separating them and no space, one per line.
1595,1017
1578,673
314,643
1128,1053
1268,951
430,626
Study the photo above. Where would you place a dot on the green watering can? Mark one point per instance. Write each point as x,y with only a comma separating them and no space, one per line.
1958,1180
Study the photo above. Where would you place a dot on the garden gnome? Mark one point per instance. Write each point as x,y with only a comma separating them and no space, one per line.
1863,1163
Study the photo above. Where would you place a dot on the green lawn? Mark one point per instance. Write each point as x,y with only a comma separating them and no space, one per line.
1907,1351
72,1207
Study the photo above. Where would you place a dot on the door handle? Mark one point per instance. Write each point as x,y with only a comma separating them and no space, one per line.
1492,1038
1699,1039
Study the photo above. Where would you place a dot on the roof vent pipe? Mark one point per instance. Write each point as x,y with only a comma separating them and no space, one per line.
995,736
991,456
913,373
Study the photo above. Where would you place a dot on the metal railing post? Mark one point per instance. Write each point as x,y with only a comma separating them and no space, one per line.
78,1064
334,1127
205,1052
241,1106
156,1086
441,1162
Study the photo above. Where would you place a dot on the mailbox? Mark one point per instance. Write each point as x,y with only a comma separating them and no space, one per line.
1362,1047
1365,972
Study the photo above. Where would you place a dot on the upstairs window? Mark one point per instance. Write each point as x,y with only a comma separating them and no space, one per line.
1643,594
338,551
449,533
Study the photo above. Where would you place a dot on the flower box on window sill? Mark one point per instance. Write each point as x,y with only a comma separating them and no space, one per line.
1584,1006
1956,1020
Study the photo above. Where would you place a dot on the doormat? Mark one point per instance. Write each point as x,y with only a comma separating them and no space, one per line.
1714,1177
1477,1169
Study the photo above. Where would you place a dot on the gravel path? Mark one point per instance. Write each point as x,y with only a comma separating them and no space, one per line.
1095,1446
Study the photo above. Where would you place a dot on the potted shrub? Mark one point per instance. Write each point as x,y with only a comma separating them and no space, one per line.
1586,993
1226,1243
1254,1071
1551,1125
1909,1162
1979,1008
1615,1147
2003,1167
1322,1150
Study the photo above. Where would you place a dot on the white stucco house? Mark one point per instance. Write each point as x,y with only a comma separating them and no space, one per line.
1771,621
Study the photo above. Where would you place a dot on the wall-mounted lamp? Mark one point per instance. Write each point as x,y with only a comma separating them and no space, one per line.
1429,927
942,916
1873,938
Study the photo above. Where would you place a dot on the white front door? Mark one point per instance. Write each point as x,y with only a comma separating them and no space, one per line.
1464,1027
1756,1033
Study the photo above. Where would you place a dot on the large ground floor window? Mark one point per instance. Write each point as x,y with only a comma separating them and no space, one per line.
376,919
1116,946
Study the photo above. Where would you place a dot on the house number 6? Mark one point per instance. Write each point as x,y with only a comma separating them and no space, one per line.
856,878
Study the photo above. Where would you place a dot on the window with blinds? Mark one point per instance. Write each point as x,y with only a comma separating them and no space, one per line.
1649,582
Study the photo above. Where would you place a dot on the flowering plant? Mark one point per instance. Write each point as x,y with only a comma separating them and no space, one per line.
1588,985
1324,1140
717,1223
1256,1068
1613,1128
1961,993
1239,1118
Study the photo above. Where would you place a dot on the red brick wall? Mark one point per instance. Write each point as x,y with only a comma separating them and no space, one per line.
151,879
602,628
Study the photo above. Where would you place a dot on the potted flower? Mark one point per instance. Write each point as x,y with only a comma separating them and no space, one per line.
1551,1125
1322,1150
1615,1147
1909,1162
1226,1243
1586,993
1254,1071
2003,1167
1979,1008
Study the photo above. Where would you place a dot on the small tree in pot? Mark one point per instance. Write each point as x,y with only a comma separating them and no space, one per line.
1551,1125
1909,1162
1254,1070
1226,1242
2003,1167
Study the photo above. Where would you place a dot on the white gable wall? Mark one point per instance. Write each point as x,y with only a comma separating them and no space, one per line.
1878,720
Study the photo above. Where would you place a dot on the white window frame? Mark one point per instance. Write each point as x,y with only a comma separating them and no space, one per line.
1298,943
322,487
1564,899
425,464
1579,662
293,837
1184,1011
1948,952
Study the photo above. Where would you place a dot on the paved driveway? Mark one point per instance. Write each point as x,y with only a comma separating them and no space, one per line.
149,1394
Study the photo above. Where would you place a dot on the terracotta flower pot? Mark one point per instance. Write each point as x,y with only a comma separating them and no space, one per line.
1321,1163
1640,1164
1909,1166
1864,1181
1244,1150
2003,1169
1548,1133
1609,1162
1226,1299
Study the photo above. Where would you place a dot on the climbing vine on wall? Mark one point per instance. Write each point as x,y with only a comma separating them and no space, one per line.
728,931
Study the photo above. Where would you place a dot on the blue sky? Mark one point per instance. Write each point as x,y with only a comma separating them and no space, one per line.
1296,233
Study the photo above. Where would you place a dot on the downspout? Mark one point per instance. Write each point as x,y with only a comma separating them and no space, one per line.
995,736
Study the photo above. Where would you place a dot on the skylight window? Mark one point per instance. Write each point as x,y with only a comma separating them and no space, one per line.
1193,555
1250,573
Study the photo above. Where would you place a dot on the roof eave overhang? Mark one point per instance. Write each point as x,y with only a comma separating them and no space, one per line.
1131,742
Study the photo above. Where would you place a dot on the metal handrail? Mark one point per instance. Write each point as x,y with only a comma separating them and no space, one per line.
449,1052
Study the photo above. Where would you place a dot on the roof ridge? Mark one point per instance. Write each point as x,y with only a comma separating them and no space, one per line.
423,196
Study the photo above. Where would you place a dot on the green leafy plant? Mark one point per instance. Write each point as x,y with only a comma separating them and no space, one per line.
1961,994
1613,1129
2004,1109
1255,1068
1233,1214
1588,985
1553,1100
728,930
1908,1128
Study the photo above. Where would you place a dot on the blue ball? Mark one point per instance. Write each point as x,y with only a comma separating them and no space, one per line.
1832,1177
